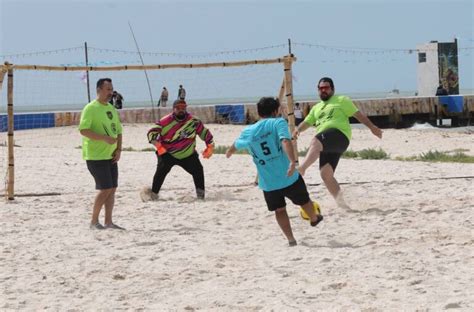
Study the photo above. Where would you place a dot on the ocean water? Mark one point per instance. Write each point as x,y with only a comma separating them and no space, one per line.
54,107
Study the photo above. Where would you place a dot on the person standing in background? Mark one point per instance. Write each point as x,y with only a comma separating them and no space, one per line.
181,93
163,97
298,114
101,148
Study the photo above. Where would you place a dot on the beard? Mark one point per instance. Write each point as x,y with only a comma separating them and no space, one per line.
180,116
325,96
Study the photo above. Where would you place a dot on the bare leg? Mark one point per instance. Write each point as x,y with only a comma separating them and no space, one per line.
109,206
327,174
99,201
284,223
314,150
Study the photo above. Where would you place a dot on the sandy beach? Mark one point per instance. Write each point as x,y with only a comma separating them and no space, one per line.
409,245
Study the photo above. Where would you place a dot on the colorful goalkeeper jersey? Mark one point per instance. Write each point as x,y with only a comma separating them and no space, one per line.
179,137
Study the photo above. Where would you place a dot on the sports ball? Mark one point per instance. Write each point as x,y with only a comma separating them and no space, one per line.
316,209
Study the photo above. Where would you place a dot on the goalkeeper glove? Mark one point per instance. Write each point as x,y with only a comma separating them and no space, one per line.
207,153
160,149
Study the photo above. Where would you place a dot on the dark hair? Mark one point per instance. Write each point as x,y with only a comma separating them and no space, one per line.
266,106
179,101
327,79
101,81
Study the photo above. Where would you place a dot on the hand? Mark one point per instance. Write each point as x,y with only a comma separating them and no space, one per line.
116,155
229,153
376,131
160,149
295,134
291,169
110,140
207,153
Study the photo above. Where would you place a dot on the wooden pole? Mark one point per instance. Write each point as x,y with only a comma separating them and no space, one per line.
282,91
11,159
150,67
289,98
2,76
87,73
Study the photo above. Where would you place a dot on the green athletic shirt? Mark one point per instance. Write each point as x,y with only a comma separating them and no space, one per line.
332,114
101,119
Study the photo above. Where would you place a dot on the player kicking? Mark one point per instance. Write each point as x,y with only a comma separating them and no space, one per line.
269,143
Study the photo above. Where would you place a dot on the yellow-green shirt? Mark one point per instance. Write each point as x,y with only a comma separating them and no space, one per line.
101,119
332,114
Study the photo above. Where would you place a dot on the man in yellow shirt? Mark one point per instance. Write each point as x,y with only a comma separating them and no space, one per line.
101,147
333,133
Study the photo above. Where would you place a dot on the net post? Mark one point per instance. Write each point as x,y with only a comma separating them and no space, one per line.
11,158
289,98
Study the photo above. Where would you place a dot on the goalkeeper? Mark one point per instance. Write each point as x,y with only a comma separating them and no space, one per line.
174,138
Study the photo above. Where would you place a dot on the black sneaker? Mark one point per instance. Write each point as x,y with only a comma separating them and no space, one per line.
200,193
97,226
114,226
319,219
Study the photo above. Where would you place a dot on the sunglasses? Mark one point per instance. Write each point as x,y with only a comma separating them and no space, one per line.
322,88
180,106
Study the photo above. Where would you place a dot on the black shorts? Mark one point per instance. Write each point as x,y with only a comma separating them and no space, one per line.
296,192
105,173
334,144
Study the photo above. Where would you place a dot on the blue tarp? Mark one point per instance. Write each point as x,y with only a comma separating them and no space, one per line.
453,103
233,113
28,121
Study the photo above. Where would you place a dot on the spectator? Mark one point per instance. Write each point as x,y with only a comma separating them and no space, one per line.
298,114
441,91
181,93
116,100
163,97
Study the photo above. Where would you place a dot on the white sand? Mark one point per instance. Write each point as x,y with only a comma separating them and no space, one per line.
409,246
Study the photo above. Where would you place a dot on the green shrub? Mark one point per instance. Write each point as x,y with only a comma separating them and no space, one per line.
350,154
437,156
370,153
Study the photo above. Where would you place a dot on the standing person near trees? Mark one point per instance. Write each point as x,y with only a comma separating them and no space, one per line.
333,133
101,148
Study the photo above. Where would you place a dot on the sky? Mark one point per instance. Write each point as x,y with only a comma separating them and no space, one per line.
375,37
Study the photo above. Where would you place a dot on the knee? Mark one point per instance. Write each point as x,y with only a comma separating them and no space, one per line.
280,211
316,144
326,175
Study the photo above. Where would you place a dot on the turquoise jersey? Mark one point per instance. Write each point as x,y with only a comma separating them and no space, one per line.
263,141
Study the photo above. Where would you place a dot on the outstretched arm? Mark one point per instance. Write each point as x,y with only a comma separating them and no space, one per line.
231,150
366,121
302,127
154,133
204,133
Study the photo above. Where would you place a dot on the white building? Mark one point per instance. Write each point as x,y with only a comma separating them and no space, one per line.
437,64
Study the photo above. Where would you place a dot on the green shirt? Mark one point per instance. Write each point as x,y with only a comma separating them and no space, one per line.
332,114
101,119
